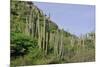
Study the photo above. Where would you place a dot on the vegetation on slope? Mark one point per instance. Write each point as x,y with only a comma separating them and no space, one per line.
35,39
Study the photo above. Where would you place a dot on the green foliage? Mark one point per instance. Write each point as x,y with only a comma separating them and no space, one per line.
20,44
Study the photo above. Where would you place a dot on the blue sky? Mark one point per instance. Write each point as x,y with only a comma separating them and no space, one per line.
77,19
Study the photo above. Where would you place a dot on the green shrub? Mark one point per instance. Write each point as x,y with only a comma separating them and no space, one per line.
21,43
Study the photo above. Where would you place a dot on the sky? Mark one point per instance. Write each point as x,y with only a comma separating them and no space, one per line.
74,18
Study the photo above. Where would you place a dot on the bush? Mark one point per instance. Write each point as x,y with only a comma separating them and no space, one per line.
21,43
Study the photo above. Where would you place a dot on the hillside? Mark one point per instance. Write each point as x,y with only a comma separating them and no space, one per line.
36,39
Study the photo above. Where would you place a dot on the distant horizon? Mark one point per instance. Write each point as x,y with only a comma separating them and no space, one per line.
74,18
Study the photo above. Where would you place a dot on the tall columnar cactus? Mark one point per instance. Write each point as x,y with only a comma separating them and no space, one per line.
94,38
26,27
46,38
44,24
46,44
36,24
61,45
39,32
47,34
56,43
83,42
35,28
78,44
72,41
79,41
30,21
33,22
51,41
